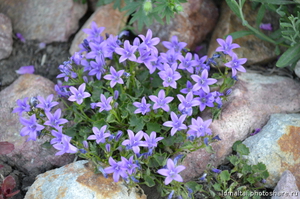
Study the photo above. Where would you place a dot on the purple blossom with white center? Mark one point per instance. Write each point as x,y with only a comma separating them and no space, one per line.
22,106
205,99
200,64
104,104
187,63
171,172
236,64
226,46
147,58
149,41
65,146
189,88
61,90
127,52
78,95
266,26
67,71
47,104
54,120
170,57
111,45
174,44
117,168
169,75
76,58
142,107
100,135
161,101
203,82
25,70
97,51
176,123
129,165
31,127
200,127
97,67
152,140
57,135
187,102
115,77
134,142
94,32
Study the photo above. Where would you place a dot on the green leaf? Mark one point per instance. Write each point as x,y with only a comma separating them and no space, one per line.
168,141
286,25
246,169
194,186
110,118
99,123
234,147
239,34
290,56
209,149
160,158
47,145
136,122
233,5
275,2
224,176
233,159
277,50
149,181
153,127
242,149
261,166
260,14
217,187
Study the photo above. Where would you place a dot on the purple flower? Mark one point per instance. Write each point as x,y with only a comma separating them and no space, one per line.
31,127
61,90
161,101
187,63
76,58
200,127
118,169
97,51
216,170
127,52
22,106
142,107
187,102
255,132
152,140
20,37
97,67
236,64
112,44
147,58
169,75
134,142
119,134
149,41
203,82
78,95
171,172
55,120
57,134
266,26
226,46
25,70
65,146
200,64
171,195
94,32
47,104
174,44
104,104
205,99
176,123
170,57
216,138
100,135
129,165
67,71
189,88
115,77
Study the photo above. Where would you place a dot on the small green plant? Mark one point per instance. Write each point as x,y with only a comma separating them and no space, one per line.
287,35
240,180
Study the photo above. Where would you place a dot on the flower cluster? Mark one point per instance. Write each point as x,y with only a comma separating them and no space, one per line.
112,86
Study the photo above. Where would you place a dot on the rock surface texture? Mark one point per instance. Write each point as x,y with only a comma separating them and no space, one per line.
105,16
77,180
29,157
43,20
253,99
277,146
6,40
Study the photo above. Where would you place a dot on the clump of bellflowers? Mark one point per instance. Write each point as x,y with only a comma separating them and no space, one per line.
131,110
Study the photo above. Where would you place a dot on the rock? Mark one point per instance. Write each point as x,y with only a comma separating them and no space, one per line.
191,26
254,49
253,99
6,40
77,180
277,146
105,16
42,20
286,185
29,157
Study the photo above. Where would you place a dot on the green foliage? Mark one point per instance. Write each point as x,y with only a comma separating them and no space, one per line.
288,35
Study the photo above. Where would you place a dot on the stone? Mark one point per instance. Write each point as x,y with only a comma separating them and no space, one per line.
253,99
6,40
191,26
42,20
105,16
77,180
29,157
277,146
287,186
254,49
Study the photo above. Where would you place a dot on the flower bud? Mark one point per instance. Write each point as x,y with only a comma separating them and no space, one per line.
178,8
147,7
107,147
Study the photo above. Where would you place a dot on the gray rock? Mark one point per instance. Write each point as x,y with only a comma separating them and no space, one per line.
277,146
6,40
286,188
42,20
77,180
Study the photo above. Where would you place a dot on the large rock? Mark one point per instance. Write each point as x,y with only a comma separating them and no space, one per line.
197,19
6,40
29,157
77,180
43,20
277,146
286,188
254,98
254,49
105,16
